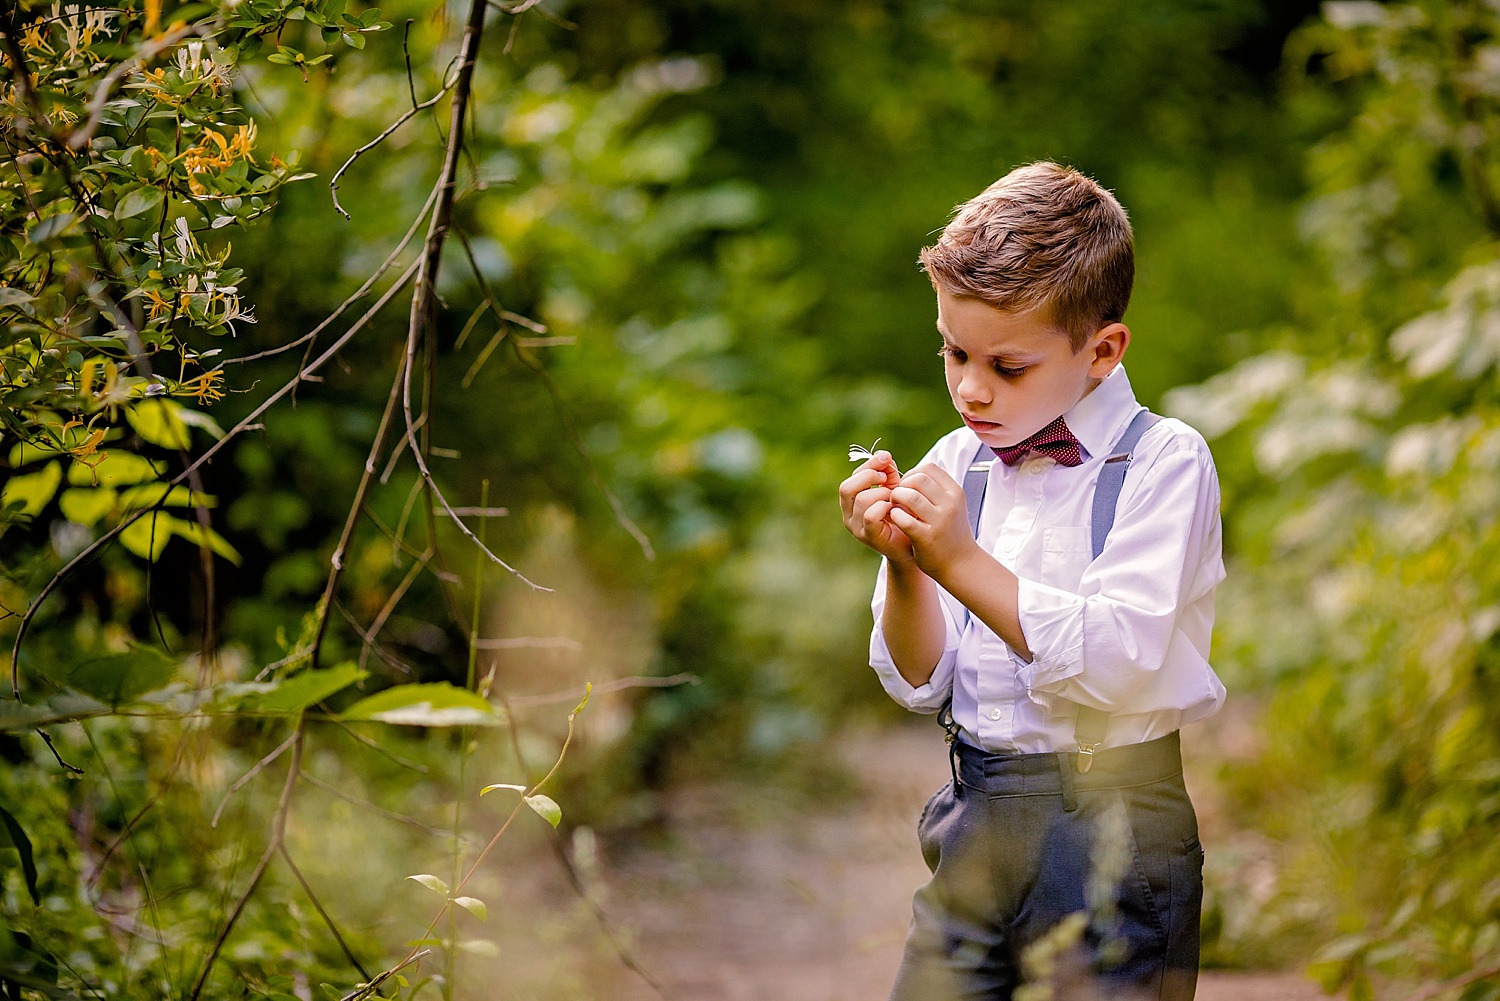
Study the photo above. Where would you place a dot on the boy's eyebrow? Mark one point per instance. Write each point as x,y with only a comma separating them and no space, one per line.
1004,356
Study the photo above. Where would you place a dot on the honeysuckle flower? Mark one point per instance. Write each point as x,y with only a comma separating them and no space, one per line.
858,453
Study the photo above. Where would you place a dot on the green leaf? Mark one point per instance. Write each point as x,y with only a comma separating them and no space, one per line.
199,536
120,677
13,297
50,227
22,845
434,704
162,495
200,420
354,40
33,490
503,785
546,808
157,422
142,199
115,468
474,906
149,534
479,947
58,709
431,882
302,690
23,452
86,505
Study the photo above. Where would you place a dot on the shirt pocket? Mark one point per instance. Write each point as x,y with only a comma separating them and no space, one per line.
1065,555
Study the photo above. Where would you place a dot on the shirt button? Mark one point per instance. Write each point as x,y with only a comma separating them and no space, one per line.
994,714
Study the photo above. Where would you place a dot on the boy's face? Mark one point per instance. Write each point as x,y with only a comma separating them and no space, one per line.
1011,374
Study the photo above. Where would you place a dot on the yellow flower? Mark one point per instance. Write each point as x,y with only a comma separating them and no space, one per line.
204,388
156,305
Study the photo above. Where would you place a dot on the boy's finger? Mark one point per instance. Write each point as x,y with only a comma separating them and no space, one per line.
917,480
905,520
860,480
939,477
869,496
914,501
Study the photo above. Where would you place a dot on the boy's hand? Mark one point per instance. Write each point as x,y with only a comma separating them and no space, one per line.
930,509
865,498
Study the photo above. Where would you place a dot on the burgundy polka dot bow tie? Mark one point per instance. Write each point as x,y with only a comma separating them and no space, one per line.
1054,440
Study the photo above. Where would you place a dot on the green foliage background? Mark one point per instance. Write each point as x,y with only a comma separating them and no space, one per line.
714,209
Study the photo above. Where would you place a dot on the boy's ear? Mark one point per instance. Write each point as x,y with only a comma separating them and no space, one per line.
1109,344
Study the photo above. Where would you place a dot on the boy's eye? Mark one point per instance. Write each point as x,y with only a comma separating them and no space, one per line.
1009,373
947,352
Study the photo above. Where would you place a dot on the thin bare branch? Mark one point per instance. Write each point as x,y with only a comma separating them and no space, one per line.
366,990
624,520
354,297
286,857
254,771
618,685
278,834
376,746
531,643
390,604
333,185
372,459
370,644
365,804
423,300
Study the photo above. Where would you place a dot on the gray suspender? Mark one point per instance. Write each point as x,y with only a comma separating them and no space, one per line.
1090,727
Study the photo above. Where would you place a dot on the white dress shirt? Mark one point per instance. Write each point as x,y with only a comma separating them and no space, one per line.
1127,633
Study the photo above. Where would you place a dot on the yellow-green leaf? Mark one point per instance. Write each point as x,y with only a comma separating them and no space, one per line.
86,505
157,422
152,494
474,906
302,690
114,468
480,947
33,490
148,535
502,785
23,452
198,535
546,808
432,704
431,882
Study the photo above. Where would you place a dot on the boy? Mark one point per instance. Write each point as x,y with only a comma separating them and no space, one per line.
1064,650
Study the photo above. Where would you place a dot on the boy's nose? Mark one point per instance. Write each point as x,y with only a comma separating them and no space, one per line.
972,389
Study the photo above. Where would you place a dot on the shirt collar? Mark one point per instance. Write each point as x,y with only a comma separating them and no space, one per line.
1098,420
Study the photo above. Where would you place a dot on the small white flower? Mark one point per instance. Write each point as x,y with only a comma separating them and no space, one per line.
858,453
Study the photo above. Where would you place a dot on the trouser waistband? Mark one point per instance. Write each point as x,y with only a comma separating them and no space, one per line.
1053,774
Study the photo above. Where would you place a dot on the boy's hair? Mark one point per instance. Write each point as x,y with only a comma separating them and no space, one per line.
1042,236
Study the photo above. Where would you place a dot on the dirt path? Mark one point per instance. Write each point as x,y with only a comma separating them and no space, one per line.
755,899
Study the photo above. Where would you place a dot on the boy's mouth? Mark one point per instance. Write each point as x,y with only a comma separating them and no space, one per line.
978,425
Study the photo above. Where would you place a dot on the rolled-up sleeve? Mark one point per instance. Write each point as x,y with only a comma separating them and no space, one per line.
928,698
1102,644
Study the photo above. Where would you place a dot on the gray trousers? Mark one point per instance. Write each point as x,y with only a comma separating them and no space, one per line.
1017,843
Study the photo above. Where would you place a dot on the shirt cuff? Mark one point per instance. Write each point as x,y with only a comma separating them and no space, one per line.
928,698
1052,622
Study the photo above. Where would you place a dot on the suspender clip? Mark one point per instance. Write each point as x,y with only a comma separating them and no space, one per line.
947,722
1086,749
